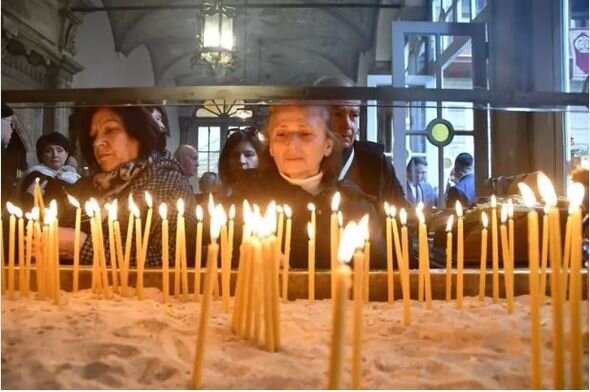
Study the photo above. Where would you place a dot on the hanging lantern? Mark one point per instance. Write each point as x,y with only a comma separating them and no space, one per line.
215,39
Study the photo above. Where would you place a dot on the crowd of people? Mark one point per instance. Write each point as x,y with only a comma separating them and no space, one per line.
304,155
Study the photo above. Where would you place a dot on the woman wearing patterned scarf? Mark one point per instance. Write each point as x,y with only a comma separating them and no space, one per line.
127,152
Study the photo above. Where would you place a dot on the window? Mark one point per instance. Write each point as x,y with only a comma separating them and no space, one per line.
208,146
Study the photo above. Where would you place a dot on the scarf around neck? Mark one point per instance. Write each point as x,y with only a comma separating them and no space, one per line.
311,184
115,181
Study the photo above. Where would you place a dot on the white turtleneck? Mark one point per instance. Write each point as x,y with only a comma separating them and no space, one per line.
310,184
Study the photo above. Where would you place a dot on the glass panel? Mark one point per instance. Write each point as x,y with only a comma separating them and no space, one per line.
420,55
459,114
457,71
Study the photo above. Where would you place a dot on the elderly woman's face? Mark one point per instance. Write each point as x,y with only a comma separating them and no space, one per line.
112,144
54,156
298,140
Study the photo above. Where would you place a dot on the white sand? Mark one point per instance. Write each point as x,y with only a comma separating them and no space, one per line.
88,343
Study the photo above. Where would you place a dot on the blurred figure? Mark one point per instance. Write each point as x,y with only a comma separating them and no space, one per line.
417,189
53,150
188,157
240,152
207,184
463,189
161,118
14,156
363,163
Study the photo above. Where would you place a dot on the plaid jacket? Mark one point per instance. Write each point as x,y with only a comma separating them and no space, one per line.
166,184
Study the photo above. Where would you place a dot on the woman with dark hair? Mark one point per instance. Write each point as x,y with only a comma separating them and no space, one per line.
240,152
304,161
124,146
161,118
53,150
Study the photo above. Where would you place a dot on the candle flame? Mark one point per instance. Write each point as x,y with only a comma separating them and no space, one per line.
11,208
340,219
135,210
527,195
53,206
279,209
510,209
148,199
163,211
199,213
504,213
232,212
484,219
221,215
419,215
88,207
49,217
73,201
246,208
270,218
459,208
364,230
215,223
35,213
29,216
420,206
348,242
546,209
211,205
180,206
335,202
575,196
393,211
494,201
130,200
288,211
311,207
386,208
403,216
112,210
546,189
310,231
450,223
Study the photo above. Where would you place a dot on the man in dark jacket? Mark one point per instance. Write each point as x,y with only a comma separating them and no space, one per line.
464,189
364,163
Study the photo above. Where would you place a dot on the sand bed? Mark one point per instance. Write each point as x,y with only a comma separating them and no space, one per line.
88,343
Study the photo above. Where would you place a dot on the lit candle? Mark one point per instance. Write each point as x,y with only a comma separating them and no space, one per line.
112,218
364,229
399,254
128,239
230,232
495,263
56,264
286,266
340,225
403,216
544,251
575,292
280,225
212,253
510,275
165,256
30,219
311,208
533,252
424,258
21,253
342,287
181,247
460,250
389,252
359,294
548,193
3,272
505,255
267,277
225,263
484,256
138,252
311,263
39,203
146,231
101,252
89,209
76,204
198,252
334,234
12,210
448,280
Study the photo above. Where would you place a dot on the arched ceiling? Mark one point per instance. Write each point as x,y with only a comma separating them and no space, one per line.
279,46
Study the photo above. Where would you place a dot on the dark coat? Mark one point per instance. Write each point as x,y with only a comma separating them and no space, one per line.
375,175
54,190
428,195
464,191
164,180
262,187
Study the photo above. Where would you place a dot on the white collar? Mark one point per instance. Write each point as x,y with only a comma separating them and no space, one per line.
309,184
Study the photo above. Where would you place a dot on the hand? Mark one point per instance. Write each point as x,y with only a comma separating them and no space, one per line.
66,241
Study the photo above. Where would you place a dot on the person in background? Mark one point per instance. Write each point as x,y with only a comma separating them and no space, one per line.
417,189
240,152
53,150
14,157
464,188
188,157
161,118
364,162
208,183
125,149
